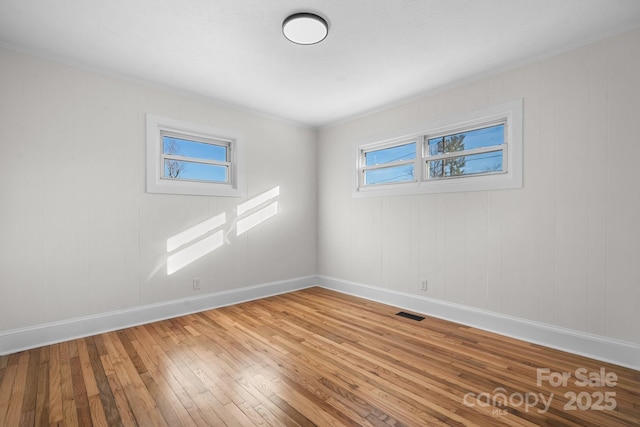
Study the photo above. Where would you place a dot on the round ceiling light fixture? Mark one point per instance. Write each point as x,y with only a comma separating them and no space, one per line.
305,28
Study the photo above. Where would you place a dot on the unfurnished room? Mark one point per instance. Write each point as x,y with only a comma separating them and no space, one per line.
320,213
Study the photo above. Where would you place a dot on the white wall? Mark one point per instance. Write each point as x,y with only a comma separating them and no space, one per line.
78,234
563,250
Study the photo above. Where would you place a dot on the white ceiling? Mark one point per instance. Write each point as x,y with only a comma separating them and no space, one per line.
378,52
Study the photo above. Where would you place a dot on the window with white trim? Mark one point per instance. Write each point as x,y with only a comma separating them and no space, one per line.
475,151
389,163
480,150
187,158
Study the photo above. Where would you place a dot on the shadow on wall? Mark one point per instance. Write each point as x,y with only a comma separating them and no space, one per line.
195,242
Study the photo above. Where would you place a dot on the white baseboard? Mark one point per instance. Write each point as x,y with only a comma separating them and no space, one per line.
593,346
36,336
609,350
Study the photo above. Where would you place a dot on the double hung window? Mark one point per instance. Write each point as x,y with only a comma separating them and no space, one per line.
186,158
477,151
192,158
389,163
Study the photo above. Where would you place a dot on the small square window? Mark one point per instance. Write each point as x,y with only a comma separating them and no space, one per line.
185,158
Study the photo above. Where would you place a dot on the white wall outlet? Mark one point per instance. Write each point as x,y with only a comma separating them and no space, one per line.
196,283
423,285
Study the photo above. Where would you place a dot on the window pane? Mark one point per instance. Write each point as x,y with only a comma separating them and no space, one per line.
195,149
391,154
389,175
193,171
477,138
466,165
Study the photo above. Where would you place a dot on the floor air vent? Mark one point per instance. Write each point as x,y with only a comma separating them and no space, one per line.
410,316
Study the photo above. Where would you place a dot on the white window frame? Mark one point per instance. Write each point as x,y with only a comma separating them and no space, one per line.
158,126
503,148
509,113
362,168
216,141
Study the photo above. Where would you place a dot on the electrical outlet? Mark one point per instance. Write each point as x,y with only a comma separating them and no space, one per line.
423,285
196,283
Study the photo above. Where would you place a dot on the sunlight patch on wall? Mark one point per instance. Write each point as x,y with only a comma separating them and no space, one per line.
194,252
258,200
256,218
196,249
257,210
195,242
195,232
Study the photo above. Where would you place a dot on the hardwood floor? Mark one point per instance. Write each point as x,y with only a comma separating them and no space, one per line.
312,357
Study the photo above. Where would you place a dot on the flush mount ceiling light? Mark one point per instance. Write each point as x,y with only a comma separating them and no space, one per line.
305,28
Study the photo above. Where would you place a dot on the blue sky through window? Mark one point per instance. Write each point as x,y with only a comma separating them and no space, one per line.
391,154
474,163
469,164
398,173
388,175
196,150
197,171
478,138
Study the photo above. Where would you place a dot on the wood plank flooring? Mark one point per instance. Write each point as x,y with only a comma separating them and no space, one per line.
311,357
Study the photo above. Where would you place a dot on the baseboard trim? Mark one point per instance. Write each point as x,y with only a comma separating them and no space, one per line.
27,338
608,350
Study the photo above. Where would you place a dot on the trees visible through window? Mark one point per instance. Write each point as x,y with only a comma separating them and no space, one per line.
477,151
480,150
187,158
